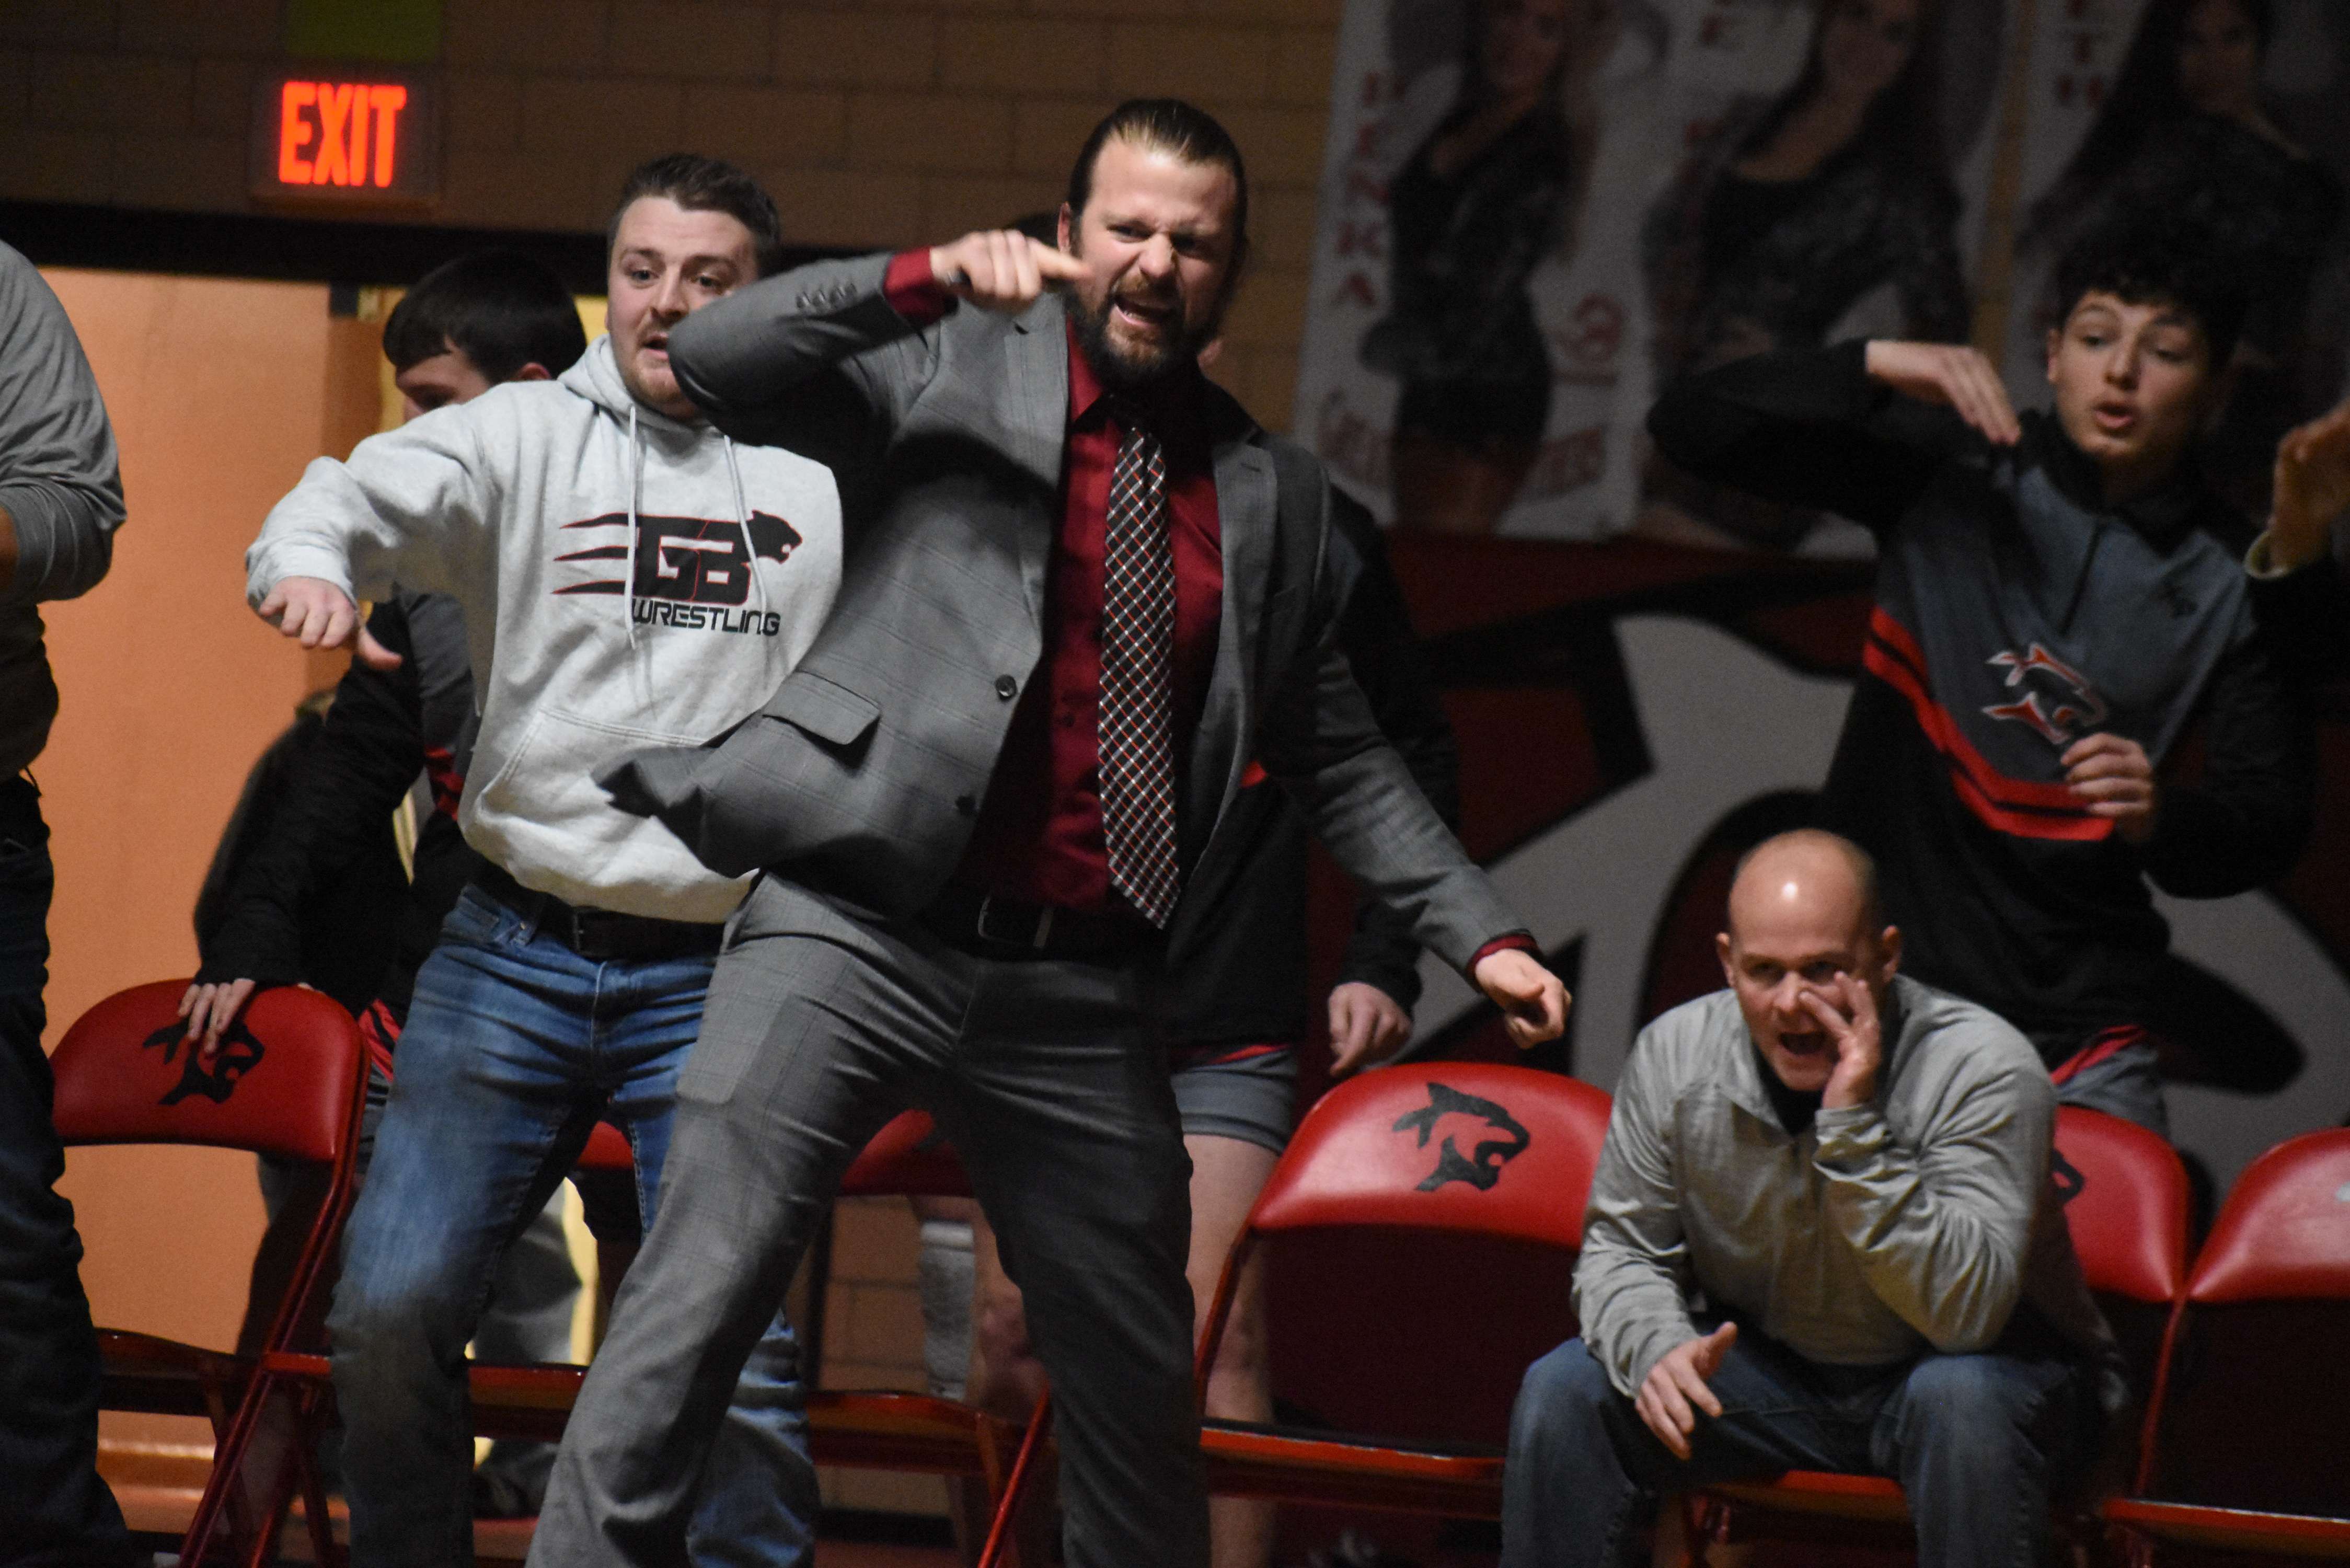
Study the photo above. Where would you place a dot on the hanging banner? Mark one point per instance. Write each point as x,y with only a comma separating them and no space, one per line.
2232,114
1535,211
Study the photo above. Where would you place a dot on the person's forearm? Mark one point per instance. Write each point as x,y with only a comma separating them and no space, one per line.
1361,802
1631,1308
1944,1255
1798,427
751,353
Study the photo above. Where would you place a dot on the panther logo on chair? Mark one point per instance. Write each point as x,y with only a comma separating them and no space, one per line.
1481,1168
2065,1177
215,1080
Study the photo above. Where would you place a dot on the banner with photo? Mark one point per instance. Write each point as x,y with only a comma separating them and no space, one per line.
1534,213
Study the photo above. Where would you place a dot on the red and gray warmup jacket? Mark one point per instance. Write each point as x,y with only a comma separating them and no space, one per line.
2015,614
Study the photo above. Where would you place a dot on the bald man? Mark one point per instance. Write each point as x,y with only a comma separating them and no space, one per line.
1812,1245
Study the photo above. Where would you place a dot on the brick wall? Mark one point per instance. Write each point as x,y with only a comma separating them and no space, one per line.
891,123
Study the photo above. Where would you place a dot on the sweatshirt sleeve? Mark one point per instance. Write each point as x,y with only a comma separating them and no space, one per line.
414,505
336,802
1806,428
1942,1229
2243,823
1375,631
60,483
1631,1282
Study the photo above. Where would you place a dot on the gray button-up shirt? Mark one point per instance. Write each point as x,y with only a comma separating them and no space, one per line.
1915,1221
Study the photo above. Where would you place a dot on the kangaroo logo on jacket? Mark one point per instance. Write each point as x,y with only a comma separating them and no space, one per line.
1482,1167
693,572
238,1054
2057,699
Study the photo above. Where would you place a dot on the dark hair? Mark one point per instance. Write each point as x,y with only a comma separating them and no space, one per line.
501,309
2146,93
1165,125
2158,257
701,184
1903,128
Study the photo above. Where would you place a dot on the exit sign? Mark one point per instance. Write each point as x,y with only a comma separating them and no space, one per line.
367,138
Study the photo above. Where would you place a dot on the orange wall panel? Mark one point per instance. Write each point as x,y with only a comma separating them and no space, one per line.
170,687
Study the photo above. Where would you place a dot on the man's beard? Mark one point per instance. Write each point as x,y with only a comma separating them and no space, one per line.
1120,368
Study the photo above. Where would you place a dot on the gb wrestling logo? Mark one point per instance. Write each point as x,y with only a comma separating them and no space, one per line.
238,1054
1481,1168
703,562
2077,707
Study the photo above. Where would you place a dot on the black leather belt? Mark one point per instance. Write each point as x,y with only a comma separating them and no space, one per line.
599,934
993,927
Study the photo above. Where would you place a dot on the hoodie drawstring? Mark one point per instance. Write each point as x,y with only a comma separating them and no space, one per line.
743,514
629,562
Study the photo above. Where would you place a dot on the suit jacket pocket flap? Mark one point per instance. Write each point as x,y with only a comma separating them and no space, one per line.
828,711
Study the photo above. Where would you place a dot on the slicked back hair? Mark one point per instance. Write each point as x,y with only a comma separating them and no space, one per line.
1165,125
701,184
500,308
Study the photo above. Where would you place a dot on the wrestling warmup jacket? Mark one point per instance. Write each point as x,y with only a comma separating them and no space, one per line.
2015,614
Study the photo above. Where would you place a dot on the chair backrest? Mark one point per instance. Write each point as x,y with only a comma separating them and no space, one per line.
2125,1203
2249,1415
907,1158
2284,1232
284,1081
1461,1147
608,1149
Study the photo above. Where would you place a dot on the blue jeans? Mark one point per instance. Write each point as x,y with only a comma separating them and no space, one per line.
515,1048
53,1506
1978,1442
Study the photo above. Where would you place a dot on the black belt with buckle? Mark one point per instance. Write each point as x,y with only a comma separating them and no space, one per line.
990,926
599,934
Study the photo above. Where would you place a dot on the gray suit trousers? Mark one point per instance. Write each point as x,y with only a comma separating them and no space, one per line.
821,1025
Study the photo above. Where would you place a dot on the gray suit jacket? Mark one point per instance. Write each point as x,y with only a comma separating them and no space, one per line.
863,774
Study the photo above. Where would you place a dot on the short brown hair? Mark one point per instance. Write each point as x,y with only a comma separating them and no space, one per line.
701,184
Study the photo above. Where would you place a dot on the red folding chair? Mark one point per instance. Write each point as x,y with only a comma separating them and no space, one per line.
2125,1205
865,1429
289,1079
1501,1154
1459,1150
2243,1451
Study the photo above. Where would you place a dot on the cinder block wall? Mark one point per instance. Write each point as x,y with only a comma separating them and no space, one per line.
888,124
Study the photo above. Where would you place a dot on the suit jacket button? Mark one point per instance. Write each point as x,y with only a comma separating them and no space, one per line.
1006,688
967,804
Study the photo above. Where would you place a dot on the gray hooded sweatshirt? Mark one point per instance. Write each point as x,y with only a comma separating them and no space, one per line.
1916,1221
60,487
628,580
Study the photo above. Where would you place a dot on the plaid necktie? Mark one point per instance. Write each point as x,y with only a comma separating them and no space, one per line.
1137,715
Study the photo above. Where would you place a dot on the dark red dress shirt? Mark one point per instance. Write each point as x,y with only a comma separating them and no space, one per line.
1039,836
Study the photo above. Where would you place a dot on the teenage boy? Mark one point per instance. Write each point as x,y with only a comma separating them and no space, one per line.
468,325
625,573
2054,608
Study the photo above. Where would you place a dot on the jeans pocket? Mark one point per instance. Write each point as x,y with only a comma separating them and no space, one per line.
482,921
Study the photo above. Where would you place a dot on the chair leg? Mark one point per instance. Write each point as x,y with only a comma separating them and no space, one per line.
324,1550
999,1551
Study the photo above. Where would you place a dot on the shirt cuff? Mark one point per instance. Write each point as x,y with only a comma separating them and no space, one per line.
912,289
1519,941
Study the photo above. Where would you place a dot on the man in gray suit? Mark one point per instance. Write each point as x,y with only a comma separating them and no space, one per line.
1083,591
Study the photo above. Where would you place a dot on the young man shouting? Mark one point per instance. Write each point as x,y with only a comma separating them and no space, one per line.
627,575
